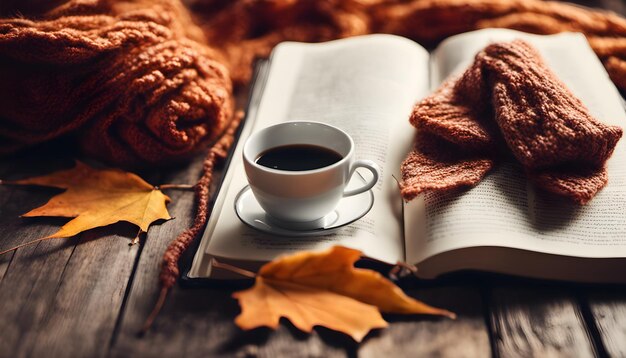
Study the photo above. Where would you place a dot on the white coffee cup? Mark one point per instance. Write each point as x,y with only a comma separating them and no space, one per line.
308,195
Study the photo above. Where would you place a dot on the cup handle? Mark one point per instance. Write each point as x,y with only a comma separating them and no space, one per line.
369,165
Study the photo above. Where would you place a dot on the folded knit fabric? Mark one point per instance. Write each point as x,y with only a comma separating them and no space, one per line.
246,29
127,78
508,103
75,68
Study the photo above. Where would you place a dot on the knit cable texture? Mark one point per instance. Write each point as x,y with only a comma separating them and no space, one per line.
139,82
127,79
245,30
508,103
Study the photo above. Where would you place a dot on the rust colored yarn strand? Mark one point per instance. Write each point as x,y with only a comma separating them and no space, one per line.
169,264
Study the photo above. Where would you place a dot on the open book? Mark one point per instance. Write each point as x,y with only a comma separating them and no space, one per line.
367,86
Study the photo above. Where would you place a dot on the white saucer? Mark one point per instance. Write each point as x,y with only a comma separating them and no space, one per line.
349,210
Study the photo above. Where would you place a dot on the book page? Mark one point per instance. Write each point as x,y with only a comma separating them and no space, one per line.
505,210
365,86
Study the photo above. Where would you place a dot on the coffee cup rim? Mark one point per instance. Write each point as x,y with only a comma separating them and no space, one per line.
341,162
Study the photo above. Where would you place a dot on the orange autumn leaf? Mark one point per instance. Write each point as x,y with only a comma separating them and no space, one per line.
99,197
324,289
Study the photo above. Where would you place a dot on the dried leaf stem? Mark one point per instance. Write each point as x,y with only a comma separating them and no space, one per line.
136,239
232,268
23,245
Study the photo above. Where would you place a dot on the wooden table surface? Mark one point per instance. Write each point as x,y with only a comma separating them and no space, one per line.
88,296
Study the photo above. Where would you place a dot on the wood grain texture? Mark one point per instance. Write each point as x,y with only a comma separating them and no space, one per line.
29,286
88,299
26,292
608,310
61,297
538,321
66,298
199,322
4,265
422,336
88,296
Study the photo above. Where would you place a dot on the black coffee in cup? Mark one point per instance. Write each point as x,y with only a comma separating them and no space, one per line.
298,157
315,162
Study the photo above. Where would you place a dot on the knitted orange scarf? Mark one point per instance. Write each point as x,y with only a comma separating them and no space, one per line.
131,81
137,82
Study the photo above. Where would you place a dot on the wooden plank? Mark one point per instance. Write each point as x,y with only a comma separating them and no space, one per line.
17,200
423,336
199,322
537,321
144,288
608,311
61,297
89,296
28,287
4,265
62,300
26,292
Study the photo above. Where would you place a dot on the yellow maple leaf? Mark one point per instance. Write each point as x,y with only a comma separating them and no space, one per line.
99,197
325,289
